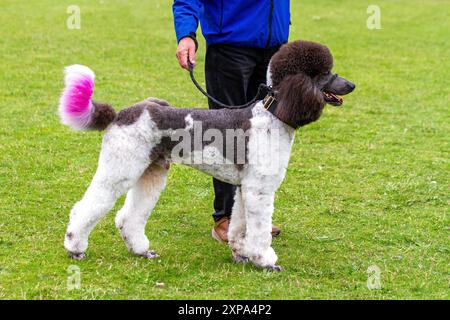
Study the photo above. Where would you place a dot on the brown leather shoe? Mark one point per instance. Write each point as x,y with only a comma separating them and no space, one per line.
275,231
220,230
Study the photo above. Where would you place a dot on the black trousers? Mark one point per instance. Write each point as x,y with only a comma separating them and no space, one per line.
233,75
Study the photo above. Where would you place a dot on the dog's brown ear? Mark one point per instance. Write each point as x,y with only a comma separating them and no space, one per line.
300,102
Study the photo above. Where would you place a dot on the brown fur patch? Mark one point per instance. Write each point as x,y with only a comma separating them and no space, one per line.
103,115
129,115
167,117
306,57
161,102
300,102
219,119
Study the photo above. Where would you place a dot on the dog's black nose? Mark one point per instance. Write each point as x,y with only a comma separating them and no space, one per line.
351,86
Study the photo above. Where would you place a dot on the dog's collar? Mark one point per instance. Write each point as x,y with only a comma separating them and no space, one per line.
270,104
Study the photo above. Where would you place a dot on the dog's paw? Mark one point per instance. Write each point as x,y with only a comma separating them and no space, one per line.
150,255
240,259
274,268
268,259
77,256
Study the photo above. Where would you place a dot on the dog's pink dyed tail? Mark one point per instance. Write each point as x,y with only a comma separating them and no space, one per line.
76,107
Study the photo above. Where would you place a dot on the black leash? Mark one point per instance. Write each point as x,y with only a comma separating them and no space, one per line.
263,91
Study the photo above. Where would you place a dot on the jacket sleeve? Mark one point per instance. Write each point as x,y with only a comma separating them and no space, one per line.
185,17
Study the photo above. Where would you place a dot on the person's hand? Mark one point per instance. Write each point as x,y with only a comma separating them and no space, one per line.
186,48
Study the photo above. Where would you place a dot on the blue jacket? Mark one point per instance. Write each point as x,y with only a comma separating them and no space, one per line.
249,23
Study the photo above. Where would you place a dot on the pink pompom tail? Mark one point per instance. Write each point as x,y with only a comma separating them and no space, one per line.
76,108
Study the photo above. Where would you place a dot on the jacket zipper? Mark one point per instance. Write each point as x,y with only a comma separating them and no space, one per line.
270,24
221,17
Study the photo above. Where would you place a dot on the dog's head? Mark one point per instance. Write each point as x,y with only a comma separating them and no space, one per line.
301,73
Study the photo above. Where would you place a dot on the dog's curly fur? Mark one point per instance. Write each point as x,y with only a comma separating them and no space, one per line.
138,145
302,102
292,69
306,57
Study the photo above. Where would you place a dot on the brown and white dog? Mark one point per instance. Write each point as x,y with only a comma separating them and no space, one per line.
142,140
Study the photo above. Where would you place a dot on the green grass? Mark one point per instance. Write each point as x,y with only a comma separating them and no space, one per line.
367,184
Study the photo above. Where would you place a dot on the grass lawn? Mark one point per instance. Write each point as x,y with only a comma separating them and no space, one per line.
367,184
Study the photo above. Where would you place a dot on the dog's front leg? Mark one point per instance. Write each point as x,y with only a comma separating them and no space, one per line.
258,204
236,231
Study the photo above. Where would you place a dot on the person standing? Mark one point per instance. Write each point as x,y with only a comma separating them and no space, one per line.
241,37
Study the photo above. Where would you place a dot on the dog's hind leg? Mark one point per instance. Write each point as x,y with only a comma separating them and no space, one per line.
98,200
258,204
140,201
236,231
120,166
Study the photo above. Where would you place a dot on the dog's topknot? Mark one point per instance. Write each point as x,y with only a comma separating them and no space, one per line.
300,56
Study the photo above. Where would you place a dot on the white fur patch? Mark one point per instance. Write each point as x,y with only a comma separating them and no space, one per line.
269,76
189,122
76,70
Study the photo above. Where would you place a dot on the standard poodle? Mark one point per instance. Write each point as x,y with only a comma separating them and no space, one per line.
249,147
